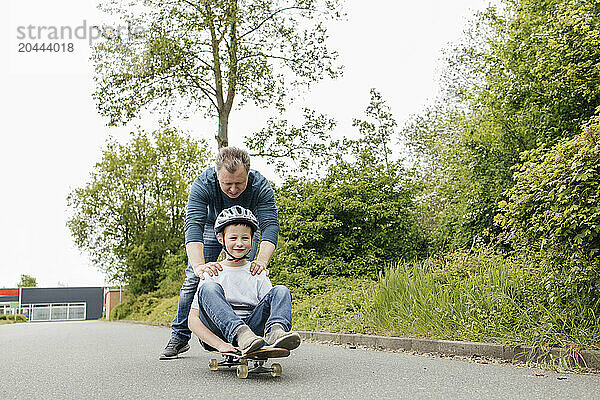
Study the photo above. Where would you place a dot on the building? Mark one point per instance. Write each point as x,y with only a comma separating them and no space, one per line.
54,304
113,297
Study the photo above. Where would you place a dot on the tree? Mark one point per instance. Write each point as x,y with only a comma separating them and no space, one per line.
296,151
27,281
203,54
306,151
130,215
523,77
354,215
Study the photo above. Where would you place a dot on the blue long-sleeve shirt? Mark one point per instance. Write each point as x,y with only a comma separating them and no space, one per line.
207,200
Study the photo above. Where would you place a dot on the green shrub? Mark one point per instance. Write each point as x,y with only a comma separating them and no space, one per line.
350,223
174,269
150,307
331,304
123,310
553,210
11,317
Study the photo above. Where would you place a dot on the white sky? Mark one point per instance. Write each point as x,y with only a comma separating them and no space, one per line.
51,135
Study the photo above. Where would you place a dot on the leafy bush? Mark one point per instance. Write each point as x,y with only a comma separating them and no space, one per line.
350,223
11,317
154,307
123,310
554,209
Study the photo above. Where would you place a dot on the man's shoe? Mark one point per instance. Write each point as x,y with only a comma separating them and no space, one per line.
173,349
248,341
277,337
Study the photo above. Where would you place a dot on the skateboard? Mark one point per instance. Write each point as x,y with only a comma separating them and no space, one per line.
258,359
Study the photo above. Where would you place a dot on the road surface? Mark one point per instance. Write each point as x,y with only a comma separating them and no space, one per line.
93,359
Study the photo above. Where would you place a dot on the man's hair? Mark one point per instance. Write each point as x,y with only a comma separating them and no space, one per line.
231,158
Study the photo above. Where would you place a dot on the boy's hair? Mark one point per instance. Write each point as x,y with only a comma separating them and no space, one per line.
235,224
231,158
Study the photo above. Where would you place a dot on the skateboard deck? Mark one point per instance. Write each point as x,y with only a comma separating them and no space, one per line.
258,359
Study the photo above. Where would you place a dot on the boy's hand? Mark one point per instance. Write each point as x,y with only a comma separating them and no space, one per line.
211,268
228,348
258,266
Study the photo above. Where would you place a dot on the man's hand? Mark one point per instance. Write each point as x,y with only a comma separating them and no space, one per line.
258,266
228,348
211,268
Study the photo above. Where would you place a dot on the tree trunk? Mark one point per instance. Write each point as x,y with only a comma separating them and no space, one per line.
222,138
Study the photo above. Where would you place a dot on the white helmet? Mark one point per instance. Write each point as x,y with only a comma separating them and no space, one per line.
235,215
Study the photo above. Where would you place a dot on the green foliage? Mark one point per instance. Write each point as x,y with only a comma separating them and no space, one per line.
331,304
212,55
296,151
174,269
130,215
376,130
357,216
481,296
10,318
347,224
27,281
522,77
150,307
553,210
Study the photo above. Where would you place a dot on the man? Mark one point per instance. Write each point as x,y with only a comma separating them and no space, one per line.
231,182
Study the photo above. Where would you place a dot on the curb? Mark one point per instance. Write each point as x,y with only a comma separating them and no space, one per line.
131,321
583,358
589,359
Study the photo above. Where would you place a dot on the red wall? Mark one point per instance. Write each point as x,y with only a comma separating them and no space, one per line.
9,292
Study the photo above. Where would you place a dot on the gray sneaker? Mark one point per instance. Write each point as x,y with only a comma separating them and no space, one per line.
173,349
247,341
277,337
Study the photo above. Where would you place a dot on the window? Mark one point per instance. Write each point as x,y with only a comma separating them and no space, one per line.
76,311
56,312
40,313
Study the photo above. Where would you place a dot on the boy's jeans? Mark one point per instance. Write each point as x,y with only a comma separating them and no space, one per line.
218,315
212,249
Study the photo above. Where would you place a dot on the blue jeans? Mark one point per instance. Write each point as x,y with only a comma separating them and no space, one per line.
218,315
212,249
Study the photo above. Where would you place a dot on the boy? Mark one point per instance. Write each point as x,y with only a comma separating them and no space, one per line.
236,307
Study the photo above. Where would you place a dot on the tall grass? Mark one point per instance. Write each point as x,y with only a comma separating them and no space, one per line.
483,296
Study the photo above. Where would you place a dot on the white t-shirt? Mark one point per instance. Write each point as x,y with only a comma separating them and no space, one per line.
242,290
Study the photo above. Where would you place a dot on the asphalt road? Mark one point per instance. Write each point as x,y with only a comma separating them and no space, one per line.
78,360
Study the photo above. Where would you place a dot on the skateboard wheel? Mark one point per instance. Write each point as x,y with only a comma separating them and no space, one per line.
213,364
242,371
276,370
